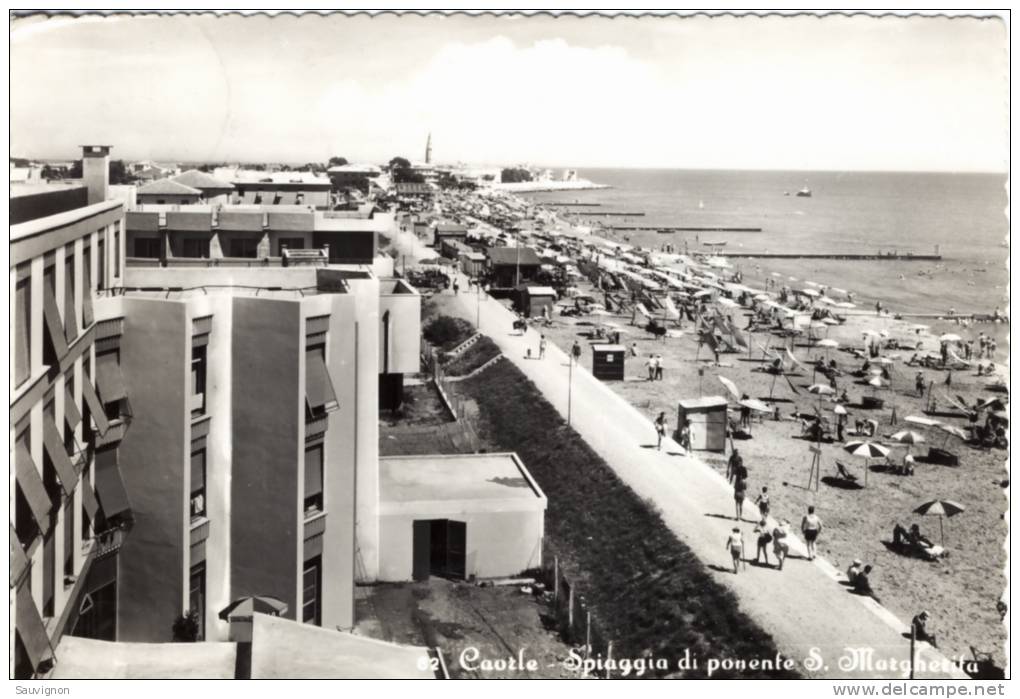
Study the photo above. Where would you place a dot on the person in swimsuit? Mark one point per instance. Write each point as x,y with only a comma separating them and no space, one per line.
735,544
811,527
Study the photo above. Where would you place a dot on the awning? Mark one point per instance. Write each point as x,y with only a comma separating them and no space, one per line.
54,445
32,487
109,378
88,500
110,485
19,561
71,414
88,392
31,628
318,387
54,327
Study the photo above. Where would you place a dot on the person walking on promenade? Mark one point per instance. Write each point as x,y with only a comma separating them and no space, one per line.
541,347
685,438
735,467
658,367
764,539
575,351
735,544
919,383
811,527
660,429
780,547
763,503
739,491
650,365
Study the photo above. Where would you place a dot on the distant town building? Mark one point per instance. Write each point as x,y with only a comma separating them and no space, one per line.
167,191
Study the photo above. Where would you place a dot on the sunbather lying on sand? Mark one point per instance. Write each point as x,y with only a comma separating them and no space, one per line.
913,543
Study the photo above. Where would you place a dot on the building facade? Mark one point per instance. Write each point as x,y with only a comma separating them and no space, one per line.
68,513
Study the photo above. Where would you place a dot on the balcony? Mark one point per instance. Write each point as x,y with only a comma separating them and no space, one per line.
109,542
114,434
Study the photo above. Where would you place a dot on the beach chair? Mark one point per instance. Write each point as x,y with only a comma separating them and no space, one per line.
843,473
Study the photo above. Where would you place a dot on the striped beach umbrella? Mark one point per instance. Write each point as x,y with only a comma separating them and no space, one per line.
908,437
940,509
244,607
866,450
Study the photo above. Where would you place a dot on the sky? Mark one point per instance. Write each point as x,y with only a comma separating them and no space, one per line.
800,93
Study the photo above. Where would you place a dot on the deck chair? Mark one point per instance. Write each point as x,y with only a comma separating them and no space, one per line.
840,468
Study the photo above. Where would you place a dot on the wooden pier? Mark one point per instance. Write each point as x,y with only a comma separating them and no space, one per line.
878,257
688,229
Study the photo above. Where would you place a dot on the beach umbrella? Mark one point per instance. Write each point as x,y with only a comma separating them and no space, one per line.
730,386
886,361
728,303
925,421
866,450
846,304
811,283
829,344
821,389
908,437
776,274
950,337
243,608
830,321
756,405
940,509
808,292
876,382
951,431
762,297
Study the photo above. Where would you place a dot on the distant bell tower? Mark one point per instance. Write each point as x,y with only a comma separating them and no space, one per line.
428,149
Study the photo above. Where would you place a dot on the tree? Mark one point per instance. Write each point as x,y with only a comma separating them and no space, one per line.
337,161
185,628
119,173
400,163
515,174
75,172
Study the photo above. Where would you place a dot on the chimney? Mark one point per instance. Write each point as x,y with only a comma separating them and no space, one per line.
95,170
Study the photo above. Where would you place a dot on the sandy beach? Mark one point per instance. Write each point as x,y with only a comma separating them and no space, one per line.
961,590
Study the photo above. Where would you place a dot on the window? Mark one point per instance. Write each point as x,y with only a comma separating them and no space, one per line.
147,248
244,247
116,250
320,398
291,244
101,262
50,339
161,201
49,573
313,480
23,330
198,483
196,596
195,247
69,537
70,316
198,372
311,604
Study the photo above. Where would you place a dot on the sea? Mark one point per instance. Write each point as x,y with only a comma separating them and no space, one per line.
960,216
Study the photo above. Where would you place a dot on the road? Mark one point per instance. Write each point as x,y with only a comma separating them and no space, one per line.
830,632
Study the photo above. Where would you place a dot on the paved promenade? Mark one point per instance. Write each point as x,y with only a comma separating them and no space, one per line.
814,619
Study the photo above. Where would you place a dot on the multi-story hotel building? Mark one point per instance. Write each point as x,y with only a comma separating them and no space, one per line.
195,420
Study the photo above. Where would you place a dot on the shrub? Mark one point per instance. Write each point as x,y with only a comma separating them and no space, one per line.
185,627
447,332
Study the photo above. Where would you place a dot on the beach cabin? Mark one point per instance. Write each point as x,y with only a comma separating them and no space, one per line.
533,299
448,231
707,420
607,362
472,263
458,516
506,262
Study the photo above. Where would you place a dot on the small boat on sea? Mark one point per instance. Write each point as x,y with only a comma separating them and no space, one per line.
804,192
719,244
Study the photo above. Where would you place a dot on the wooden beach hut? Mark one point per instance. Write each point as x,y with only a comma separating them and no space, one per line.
607,362
706,418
